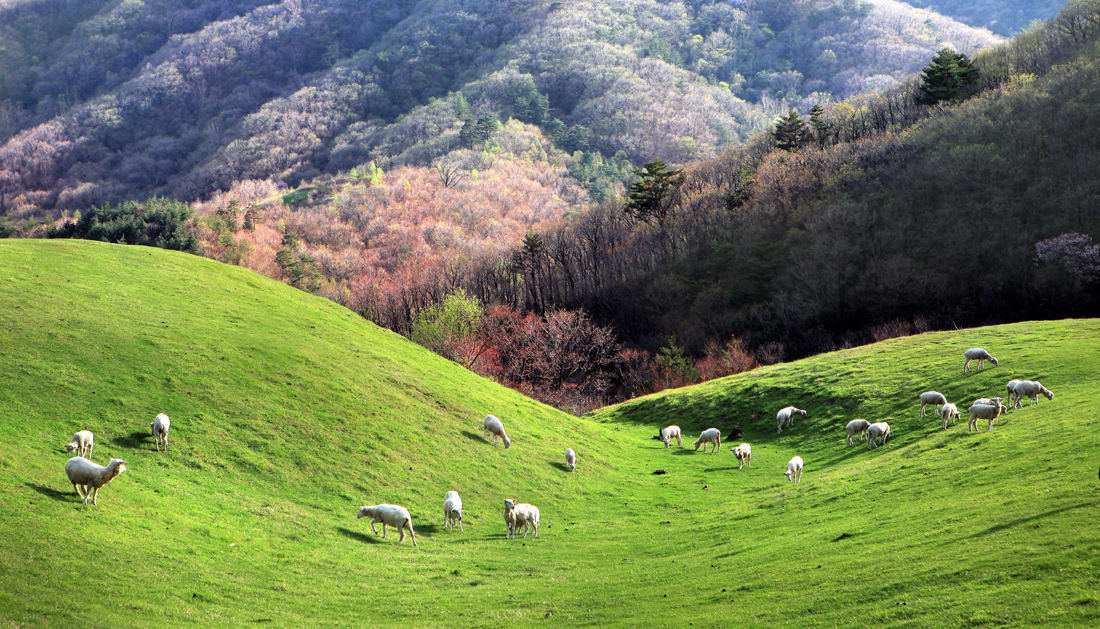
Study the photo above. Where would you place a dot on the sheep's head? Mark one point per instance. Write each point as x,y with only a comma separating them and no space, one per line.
69,447
509,505
456,514
993,360
787,474
365,511
507,443
152,428
120,466
1049,394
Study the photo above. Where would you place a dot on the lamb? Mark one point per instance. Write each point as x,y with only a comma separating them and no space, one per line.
83,441
161,425
496,427
452,511
1032,389
979,355
712,436
786,416
876,430
393,515
571,459
522,514
984,411
84,474
929,398
857,425
794,468
668,433
743,453
949,412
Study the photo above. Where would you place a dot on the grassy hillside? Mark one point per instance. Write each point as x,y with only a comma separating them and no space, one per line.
289,412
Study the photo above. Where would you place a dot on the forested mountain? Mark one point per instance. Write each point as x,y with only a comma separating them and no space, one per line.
104,101
1004,17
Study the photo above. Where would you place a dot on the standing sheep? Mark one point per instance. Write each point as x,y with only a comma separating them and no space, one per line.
1030,389
452,511
876,430
984,411
161,425
743,453
786,416
84,474
857,425
794,468
83,441
668,433
949,412
393,515
929,398
712,436
571,459
522,514
979,355
496,427
1010,388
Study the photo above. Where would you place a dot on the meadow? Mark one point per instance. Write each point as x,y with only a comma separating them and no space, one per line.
289,412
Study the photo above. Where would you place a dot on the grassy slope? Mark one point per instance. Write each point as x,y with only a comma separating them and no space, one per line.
289,412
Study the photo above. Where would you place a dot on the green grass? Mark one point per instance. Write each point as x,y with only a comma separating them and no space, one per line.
289,412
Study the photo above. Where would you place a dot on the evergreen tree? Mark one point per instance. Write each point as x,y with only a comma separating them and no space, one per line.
653,195
820,127
950,77
790,132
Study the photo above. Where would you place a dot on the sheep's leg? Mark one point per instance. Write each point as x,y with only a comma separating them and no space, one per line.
95,497
78,492
383,530
460,527
411,533
372,527
401,539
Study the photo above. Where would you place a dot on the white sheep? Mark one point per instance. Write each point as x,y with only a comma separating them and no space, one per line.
857,425
743,453
83,441
929,398
949,412
84,474
876,430
668,433
979,355
794,468
786,416
452,511
160,426
1030,389
571,459
984,411
1010,388
712,436
495,427
393,515
521,514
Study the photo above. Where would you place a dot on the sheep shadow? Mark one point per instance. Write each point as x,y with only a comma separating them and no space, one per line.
1046,514
719,469
132,440
426,530
853,451
684,451
50,492
475,437
359,537
559,465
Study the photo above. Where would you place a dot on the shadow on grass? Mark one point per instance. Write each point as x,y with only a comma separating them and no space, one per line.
853,451
359,537
50,492
132,440
475,437
1032,518
719,469
560,466
427,530
684,451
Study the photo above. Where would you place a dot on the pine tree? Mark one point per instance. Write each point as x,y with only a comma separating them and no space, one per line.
653,195
790,132
820,127
950,77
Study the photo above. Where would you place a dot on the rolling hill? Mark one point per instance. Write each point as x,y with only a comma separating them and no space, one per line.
289,412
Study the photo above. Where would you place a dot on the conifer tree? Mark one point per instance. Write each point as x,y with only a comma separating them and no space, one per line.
950,77
790,132
652,196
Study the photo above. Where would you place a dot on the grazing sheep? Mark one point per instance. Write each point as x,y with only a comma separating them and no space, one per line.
743,453
712,436
949,412
786,416
668,433
735,433
984,411
1010,388
794,468
161,425
496,427
1031,389
571,459
857,425
393,515
876,430
84,474
83,441
989,401
979,355
452,511
929,398
521,514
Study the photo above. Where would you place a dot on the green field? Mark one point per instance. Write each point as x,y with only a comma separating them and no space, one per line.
288,413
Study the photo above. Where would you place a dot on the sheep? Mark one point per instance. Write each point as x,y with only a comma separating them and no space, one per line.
743,453
452,511
84,474
1032,389
857,425
949,412
1010,388
876,430
989,401
571,459
786,416
929,398
160,426
521,514
794,468
712,436
668,433
83,441
496,428
984,411
979,355
393,515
